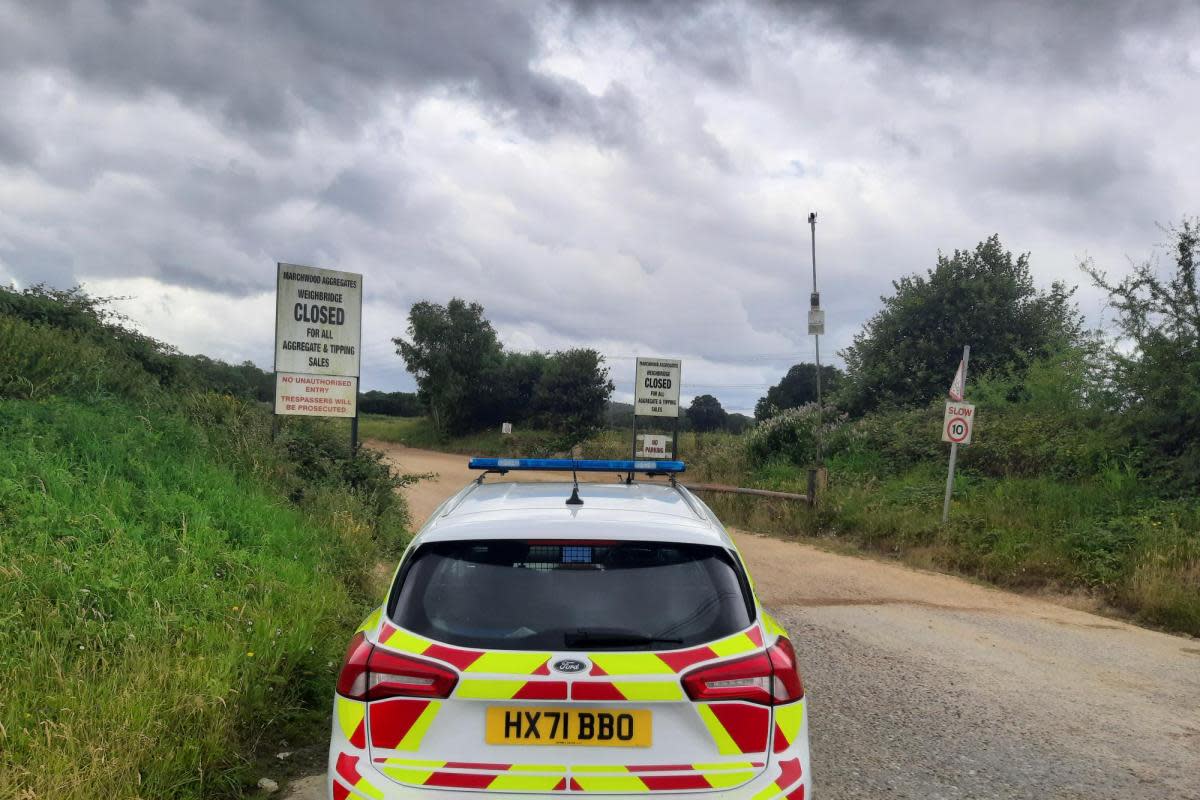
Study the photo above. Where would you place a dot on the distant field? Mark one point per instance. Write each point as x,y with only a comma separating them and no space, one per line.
419,432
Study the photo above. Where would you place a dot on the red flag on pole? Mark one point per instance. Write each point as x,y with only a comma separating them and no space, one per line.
957,388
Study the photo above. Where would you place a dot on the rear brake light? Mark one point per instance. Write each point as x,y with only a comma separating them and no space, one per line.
788,687
768,678
370,673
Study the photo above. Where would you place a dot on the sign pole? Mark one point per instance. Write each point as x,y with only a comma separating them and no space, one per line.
816,303
633,451
954,445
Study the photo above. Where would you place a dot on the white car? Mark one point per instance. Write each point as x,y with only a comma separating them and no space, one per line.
532,645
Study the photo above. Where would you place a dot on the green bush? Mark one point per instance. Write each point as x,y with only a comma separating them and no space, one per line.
792,435
39,361
890,441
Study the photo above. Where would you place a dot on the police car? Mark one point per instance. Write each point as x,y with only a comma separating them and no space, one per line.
570,639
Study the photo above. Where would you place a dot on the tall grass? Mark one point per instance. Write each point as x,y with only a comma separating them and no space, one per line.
1105,534
161,610
175,584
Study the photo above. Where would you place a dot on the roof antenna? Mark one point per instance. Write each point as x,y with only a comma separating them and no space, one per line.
575,499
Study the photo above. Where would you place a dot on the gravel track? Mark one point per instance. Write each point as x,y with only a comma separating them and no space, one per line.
923,685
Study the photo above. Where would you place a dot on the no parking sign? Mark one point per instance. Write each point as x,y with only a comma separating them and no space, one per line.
958,423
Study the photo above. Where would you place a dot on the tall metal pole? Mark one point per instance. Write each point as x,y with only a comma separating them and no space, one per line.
966,357
812,223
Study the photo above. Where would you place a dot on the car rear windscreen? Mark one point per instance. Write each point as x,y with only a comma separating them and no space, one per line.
522,595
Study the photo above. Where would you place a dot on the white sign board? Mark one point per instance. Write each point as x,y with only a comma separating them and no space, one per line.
302,395
506,428
318,321
656,387
653,445
958,423
816,322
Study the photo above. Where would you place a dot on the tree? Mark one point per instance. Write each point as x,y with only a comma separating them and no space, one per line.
738,423
393,404
797,388
907,353
706,414
573,391
511,385
449,349
1156,381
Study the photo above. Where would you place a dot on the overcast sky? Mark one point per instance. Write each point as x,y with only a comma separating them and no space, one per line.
630,176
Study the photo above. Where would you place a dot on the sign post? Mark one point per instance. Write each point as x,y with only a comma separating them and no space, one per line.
958,423
656,395
318,332
816,329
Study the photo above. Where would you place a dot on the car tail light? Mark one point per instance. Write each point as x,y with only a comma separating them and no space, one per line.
787,686
768,678
370,673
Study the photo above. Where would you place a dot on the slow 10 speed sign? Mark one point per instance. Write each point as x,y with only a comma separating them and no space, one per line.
958,423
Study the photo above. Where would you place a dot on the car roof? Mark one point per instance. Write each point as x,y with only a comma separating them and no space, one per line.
635,511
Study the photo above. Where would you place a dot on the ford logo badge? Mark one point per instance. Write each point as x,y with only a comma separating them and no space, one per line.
570,665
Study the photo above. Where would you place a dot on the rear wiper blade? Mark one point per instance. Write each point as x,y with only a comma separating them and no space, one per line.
601,636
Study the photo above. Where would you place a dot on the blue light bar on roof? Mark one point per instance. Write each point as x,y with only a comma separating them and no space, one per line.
577,465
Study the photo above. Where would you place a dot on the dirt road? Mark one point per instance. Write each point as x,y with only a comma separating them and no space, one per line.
927,686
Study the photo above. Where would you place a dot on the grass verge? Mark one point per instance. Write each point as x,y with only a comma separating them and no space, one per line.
173,586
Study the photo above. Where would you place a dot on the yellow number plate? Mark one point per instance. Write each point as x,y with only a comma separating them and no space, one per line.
595,727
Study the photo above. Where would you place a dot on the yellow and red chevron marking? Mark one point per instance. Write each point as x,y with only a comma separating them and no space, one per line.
371,621
503,662
773,627
615,664
551,777
401,723
472,775
346,768
653,778
675,661
487,689
788,720
351,718
790,772
735,727
662,777
638,691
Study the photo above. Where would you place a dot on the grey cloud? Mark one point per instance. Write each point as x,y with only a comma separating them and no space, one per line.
363,193
32,262
1079,171
1074,40
16,146
704,36
266,68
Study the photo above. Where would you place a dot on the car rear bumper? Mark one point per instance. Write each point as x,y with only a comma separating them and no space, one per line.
761,788
353,776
